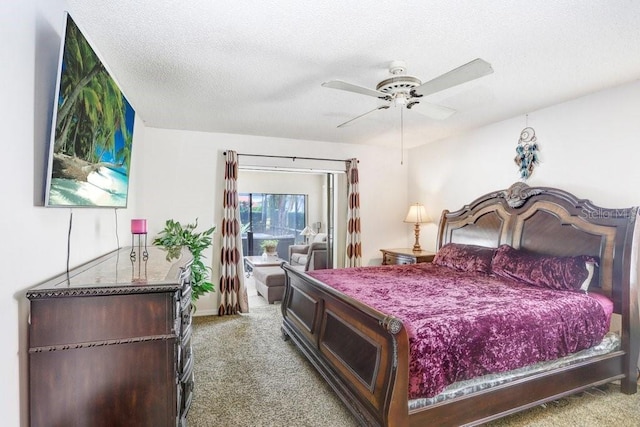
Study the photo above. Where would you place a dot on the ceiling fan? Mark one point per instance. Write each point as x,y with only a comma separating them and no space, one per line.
407,91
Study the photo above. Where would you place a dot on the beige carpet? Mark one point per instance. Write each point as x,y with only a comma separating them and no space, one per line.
246,375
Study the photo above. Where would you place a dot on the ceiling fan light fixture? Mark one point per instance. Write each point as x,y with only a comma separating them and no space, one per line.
400,99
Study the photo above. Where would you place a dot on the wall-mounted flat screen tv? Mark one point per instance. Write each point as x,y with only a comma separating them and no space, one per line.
91,131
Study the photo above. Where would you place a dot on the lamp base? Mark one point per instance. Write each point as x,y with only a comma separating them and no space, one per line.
416,245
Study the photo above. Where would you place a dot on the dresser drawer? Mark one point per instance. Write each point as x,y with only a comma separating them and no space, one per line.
405,256
393,259
72,387
66,320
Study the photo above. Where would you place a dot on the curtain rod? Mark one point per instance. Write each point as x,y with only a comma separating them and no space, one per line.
291,157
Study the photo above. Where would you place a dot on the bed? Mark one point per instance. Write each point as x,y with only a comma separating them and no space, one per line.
364,350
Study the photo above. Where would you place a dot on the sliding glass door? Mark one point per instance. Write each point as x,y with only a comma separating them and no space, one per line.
267,216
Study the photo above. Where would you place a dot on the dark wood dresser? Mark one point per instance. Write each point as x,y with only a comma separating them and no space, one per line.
405,256
110,343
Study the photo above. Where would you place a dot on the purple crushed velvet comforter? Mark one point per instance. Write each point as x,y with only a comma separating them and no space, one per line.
462,325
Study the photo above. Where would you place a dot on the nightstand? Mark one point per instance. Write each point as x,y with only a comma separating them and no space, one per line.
405,256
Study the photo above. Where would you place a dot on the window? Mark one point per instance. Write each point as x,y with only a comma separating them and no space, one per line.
278,217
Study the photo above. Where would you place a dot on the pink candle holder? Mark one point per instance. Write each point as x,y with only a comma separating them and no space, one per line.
139,228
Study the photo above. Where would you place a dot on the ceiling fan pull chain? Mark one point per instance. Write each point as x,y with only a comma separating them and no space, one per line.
402,136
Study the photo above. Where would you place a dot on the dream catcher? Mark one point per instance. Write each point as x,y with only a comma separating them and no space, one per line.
527,152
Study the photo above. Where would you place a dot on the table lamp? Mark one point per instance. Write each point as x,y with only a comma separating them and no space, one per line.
306,232
417,215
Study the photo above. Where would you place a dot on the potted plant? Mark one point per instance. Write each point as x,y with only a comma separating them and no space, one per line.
269,247
174,236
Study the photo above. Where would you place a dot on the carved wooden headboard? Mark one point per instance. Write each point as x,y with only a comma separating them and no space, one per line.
550,221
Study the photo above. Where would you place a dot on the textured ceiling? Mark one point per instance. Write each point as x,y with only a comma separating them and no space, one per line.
255,67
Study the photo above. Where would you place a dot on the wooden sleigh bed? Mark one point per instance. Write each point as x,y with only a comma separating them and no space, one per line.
364,354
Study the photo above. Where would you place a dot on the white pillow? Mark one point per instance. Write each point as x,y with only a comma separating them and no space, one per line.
590,268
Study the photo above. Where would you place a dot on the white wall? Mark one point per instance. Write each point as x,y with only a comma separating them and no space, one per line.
34,244
588,146
181,180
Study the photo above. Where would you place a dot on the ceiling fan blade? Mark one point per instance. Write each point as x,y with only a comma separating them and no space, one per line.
464,73
437,112
339,84
382,107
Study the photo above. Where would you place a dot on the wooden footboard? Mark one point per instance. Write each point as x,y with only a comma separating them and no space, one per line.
354,347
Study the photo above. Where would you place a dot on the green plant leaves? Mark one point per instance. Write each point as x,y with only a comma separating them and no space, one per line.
174,237
268,244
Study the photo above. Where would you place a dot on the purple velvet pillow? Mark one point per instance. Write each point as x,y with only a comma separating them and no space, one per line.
465,257
565,273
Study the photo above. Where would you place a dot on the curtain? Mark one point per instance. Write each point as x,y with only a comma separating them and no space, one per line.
354,247
232,293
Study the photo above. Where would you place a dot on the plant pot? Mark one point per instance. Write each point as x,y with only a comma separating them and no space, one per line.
269,253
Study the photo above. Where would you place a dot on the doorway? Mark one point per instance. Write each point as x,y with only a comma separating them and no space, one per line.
282,199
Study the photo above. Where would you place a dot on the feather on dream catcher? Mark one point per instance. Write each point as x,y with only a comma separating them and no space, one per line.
527,152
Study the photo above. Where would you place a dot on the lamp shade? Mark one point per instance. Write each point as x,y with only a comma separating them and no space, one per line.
307,231
417,214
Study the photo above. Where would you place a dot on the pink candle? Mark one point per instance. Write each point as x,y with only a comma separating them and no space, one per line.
139,226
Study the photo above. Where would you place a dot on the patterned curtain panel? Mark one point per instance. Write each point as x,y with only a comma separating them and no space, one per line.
354,247
232,295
